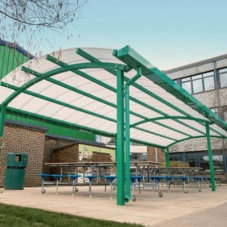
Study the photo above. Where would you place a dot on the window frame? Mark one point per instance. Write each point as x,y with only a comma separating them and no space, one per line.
219,76
191,80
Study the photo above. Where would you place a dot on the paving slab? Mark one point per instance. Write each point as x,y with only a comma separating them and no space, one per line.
172,209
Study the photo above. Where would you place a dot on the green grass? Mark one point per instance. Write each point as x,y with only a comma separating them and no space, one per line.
13,216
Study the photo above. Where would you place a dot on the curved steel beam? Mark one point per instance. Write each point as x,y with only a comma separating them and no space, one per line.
169,117
40,76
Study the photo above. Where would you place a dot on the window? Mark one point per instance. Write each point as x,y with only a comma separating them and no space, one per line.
199,83
187,86
223,77
208,79
218,162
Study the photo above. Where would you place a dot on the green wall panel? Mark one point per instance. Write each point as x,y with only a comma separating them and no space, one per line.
10,59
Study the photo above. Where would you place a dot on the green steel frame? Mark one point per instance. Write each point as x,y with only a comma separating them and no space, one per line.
115,53
131,60
127,132
120,140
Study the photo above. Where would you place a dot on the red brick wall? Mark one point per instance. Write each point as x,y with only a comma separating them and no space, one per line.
66,154
20,139
100,157
151,155
51,145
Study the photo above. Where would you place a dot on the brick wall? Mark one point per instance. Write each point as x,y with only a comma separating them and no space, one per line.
66,154
52,144
100,157
21,139
151,155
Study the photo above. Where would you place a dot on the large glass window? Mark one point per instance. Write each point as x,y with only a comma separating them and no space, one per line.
199,83
187,86
223,77
175,157
208,83
218,161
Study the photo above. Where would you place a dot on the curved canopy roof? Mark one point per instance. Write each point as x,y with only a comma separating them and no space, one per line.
78,87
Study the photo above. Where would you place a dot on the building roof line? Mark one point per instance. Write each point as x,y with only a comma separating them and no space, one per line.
196,64
17,47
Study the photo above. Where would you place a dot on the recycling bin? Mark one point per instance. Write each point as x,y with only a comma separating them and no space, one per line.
15,173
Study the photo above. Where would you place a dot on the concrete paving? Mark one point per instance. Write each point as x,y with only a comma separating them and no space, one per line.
173,209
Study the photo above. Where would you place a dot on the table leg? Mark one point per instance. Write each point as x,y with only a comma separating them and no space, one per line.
57,187
111,190
90,189
73,188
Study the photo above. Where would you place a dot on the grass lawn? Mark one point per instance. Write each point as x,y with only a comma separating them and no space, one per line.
13,216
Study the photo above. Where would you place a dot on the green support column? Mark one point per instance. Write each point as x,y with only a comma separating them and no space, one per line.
127,140
2,120
120,140
212,177
167,158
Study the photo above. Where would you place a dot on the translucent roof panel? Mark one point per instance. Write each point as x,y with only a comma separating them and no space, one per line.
78,86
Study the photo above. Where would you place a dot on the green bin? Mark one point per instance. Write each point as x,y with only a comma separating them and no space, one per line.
15,173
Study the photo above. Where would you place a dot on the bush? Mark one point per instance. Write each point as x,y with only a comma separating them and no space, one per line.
177,164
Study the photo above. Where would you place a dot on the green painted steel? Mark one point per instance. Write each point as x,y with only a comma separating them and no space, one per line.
127,147
2,120
62,127
155,133
40,77
90,78
132,59
84,75
53,127
10,59
213,187
60,122
169,117
92,59
73,107
127,133
167,158
136,77
120,140
58,102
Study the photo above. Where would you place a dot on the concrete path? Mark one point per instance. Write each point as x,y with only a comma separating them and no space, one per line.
209,218
173,209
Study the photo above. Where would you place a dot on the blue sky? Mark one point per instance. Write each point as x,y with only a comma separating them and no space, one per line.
169,33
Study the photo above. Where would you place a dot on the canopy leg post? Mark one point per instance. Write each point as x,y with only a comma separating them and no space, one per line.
2,121
127,139
212,177
120,140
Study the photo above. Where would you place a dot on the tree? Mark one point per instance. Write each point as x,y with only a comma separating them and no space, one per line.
23,20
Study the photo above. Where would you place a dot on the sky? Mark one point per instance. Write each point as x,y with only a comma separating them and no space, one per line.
168,33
